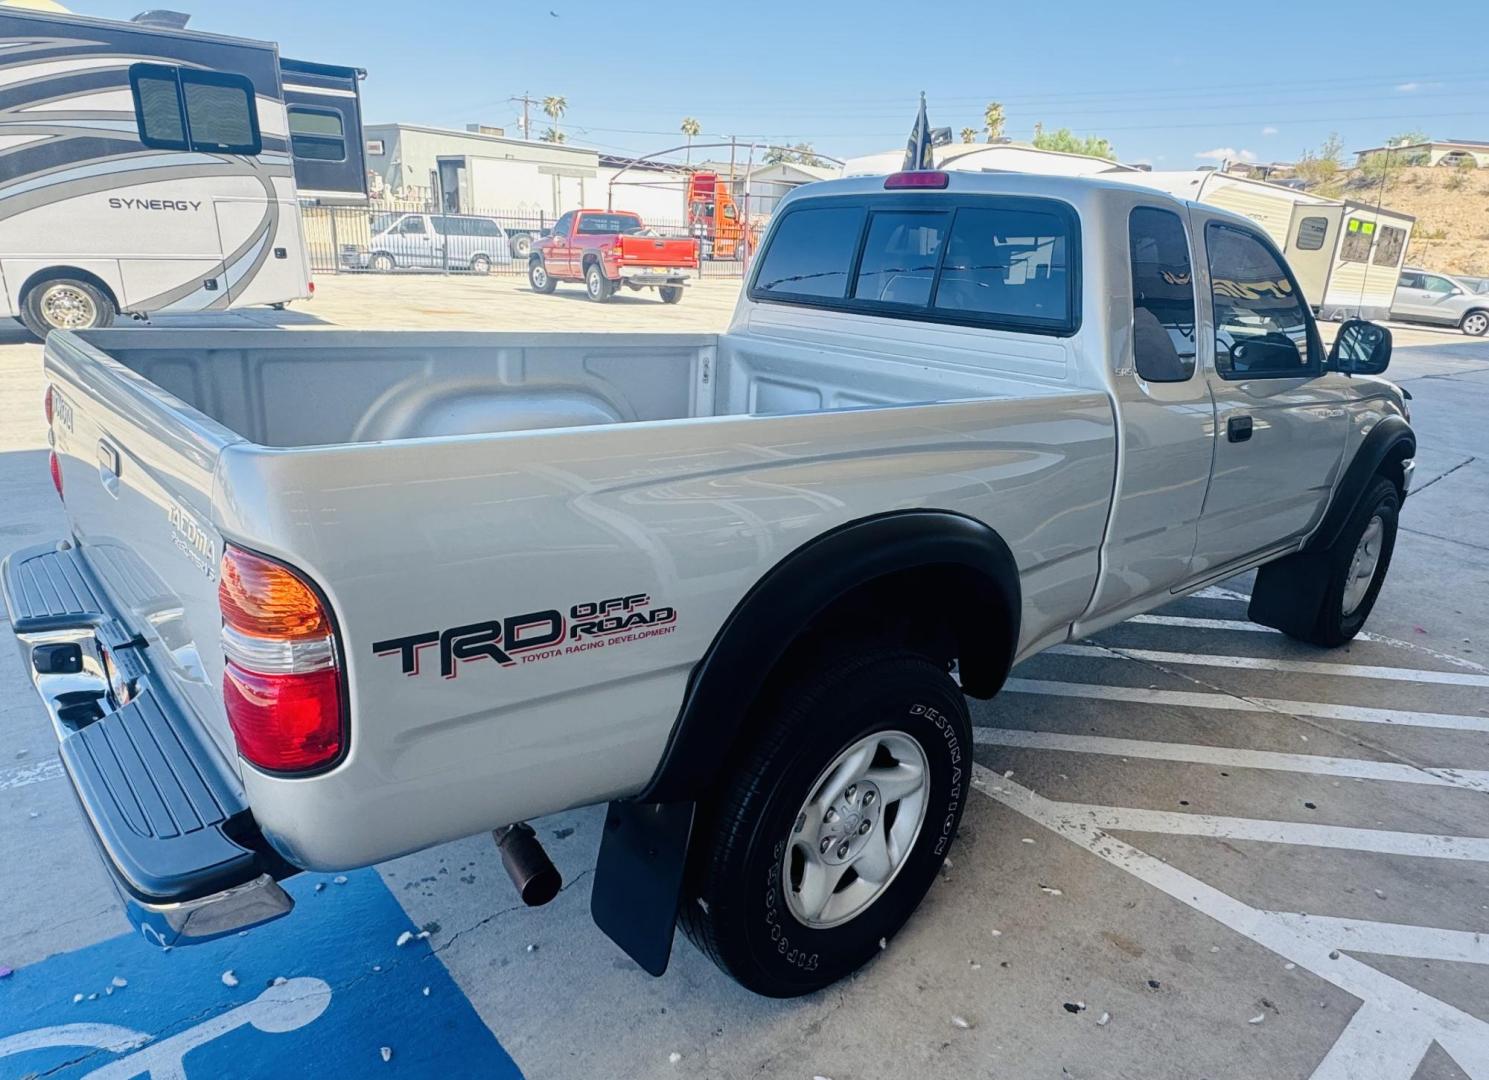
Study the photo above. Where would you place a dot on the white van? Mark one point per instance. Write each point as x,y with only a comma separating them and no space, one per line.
429,242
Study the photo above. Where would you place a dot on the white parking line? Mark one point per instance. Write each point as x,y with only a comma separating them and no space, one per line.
1205,624
1214,592
1225,756
1193,700
1395,1021
1391,939
35,773
1266,663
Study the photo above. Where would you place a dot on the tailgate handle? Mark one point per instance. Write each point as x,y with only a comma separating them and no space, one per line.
108,467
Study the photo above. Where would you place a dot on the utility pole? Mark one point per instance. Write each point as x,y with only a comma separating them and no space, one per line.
526,101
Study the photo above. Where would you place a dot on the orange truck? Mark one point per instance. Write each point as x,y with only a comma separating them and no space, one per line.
714,217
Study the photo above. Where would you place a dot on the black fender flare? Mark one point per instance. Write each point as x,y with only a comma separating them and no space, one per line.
804,585
1391,438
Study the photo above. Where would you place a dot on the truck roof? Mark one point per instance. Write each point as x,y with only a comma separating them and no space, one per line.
1071,188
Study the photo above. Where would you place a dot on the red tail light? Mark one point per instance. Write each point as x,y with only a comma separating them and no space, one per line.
46,403
282,684
56,469
925,178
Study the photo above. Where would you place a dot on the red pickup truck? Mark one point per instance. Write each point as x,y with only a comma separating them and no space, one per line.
607,249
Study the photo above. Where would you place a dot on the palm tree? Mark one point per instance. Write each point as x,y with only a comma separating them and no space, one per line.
555,107
552,135
969,135
690,128
992,121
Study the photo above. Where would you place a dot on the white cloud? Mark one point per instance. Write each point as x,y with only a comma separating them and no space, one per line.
1226,153
1408,87
1269,130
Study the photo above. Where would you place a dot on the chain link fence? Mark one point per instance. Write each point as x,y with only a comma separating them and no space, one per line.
418,238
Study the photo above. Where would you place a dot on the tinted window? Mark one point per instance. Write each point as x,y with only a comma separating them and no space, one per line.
158,106
412,225
1434,284
1163,335
1357,237
811,252
1261,324
1311,233
899,257
599,224
1409,281
316,134
220,113
1388,247
562,226
1009,263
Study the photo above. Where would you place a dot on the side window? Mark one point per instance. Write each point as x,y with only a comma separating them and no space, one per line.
316,134
487,227
183,109
1409,281
1439,286
220,112
1007,264
1163,328
1311,233
412,226
445,226
729,213
157,106
1388,247
1261,324
562,226
811,253
1357,237
899,258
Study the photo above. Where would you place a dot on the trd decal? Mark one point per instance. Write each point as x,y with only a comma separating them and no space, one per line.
538,635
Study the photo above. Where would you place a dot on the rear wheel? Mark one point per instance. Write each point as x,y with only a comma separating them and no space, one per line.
480,264
671,294
65,304
522,246
832,826
383,263
1475,323
538,277
599,287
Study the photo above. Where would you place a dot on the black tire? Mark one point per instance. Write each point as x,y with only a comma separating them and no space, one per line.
382,263
596,284
539,278
480,264
1335,622
671,294
522,246
1475,323
743,840
63,303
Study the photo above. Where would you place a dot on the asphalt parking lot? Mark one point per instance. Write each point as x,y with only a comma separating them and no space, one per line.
1199,849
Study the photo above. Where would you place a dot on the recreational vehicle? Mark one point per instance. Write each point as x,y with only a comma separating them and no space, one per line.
146,169
1346,255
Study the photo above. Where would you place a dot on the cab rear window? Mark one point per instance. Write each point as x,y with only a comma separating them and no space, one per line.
1006,262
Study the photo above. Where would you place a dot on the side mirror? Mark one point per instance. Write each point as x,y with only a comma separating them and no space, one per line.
1361,348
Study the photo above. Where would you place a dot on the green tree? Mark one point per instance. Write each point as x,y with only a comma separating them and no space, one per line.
554,108
1321,168
691,128
992,121
800,154
553,135
969,135
1065,142
1410,138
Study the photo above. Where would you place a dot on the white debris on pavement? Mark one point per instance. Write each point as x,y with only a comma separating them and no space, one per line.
229,979
1257,1019
404,938
961,1022
674,1057
76,998
1051,891
119,983
386,1053
1104,1019
339,879
426,991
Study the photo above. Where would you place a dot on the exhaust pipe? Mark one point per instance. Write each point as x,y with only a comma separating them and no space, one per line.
533,874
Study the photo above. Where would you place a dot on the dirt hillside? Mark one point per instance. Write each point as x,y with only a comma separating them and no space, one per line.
1452,210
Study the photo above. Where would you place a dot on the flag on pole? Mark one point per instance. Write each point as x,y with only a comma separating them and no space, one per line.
918,149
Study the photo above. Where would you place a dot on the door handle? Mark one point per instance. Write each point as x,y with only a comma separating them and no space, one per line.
1238,428
108,467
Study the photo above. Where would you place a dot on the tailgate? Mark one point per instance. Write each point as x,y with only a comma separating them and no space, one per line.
658,251
137,478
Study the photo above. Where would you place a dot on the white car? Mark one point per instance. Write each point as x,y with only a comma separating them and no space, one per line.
429,242
1426,297
343,595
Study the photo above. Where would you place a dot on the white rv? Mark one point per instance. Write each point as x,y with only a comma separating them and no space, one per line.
143,169
1347,256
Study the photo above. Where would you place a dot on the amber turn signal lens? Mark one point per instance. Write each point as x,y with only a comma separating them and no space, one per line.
263,599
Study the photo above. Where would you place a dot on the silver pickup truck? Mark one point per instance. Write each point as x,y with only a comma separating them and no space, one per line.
330,597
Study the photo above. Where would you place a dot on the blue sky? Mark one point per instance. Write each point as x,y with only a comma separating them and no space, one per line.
1166,82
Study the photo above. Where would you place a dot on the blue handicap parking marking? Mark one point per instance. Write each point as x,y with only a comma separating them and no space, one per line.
324,991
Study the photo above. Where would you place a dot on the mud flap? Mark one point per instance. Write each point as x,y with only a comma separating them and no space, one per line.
1289,593
638,878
